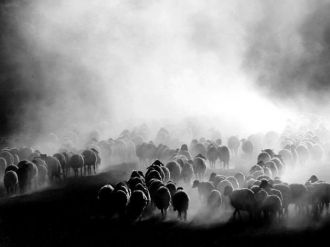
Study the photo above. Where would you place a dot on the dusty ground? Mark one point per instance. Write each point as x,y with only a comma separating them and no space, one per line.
68,215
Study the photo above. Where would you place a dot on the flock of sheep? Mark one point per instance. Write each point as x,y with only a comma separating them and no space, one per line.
258,191
165,175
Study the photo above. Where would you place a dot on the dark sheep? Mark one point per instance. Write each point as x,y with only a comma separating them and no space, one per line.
224,156
175,170
76,162
241,200
11,182
136,205
171,187
105,198
180,201
298,196
53,167
27,172
153,174
11,168
187,172
214,201
166,172
120,200
163,200
63,162
204,188
212,155
89,161
199,167
286,195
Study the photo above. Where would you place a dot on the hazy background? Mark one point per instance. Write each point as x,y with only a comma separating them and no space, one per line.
237,66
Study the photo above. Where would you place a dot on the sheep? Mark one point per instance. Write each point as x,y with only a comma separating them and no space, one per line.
166,172
270,152
319,196
14,153
120,200
233,181
233,144
260,195
105,198
162,200
11,182
76,162
63,162
214,201
175,170
255,168
185,153
7,156
313,179
224,156
286,156
218,179
279,166
153,187
303,154
197,149
144,189
298,196
240,179
199,167
250,182
153,174
26,174
11,168
247,146
89,161
263,157
212,155
222,186
180,201
212,177
273,168
187,172
241,200
136,205
98,158
257,174
123,186
255,188
53,167
268,172
272,206
157,168
286,195
132,182
171,187
204,189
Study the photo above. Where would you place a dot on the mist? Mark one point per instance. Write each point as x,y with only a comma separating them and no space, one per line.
124,63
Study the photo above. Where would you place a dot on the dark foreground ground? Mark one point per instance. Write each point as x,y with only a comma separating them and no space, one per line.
68,215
